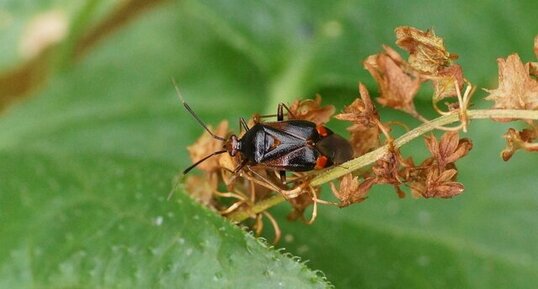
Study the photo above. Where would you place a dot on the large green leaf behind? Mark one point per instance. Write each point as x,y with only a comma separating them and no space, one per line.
88,161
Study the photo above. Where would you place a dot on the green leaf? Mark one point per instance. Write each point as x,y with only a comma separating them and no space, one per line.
89,161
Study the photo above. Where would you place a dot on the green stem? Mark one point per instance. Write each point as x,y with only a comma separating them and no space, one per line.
369,158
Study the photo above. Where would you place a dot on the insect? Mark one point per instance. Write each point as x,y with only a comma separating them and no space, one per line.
284,145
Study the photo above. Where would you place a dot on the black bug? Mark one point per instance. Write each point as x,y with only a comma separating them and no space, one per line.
284,145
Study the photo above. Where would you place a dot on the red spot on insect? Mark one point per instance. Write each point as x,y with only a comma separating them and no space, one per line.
322,130
321,162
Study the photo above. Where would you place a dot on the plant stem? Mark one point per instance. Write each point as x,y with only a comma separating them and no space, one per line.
369,158
259,207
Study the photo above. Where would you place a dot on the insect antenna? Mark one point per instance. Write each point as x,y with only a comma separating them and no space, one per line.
202,160
188,108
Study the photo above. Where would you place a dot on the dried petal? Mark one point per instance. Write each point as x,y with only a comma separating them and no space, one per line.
351,191
427,51
517,90
311,110
206,145
397,88
516,140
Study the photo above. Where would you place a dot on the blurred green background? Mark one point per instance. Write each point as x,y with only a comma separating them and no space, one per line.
92,136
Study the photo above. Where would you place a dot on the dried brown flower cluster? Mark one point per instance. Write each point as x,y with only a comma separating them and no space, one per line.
400,80
248,193
435,177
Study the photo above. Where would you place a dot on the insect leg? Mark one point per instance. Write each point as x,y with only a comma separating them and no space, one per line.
243,125
280,111
282,177
258,225
263,181
240,166
278,233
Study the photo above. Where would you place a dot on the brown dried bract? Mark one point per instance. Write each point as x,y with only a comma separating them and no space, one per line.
397,87
206,145
517,90
516,140
365,128
351,191
449,149
427,51
311,110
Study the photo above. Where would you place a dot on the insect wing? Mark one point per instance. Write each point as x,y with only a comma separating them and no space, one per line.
285,137
300,129
299,160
